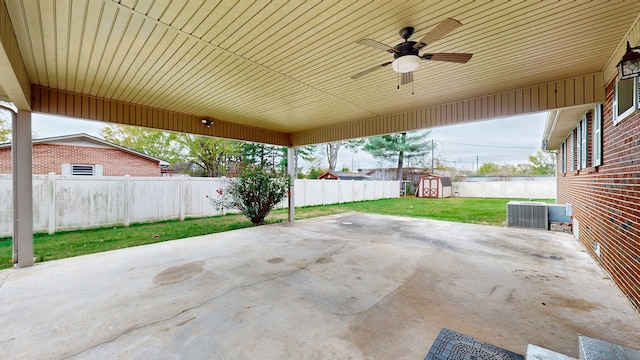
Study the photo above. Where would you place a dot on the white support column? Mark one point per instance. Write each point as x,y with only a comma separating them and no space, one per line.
22,189
291,170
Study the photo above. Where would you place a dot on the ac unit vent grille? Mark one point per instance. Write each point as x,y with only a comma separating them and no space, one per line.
531,215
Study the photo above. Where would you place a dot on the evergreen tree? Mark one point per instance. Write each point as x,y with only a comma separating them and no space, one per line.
398,147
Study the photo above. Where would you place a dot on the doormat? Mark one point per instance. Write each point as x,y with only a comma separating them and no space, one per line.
450,345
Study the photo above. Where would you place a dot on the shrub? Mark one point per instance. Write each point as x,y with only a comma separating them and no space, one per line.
254,192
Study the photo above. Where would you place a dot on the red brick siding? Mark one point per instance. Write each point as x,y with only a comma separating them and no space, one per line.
606,200
49,158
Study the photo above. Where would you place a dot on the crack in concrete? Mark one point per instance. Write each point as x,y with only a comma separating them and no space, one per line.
132,329
4,280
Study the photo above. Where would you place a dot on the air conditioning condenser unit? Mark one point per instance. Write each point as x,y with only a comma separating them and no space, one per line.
528,214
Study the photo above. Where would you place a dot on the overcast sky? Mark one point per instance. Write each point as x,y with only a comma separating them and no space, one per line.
501,141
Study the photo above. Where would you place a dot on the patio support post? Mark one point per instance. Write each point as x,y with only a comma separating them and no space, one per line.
291,171
22,189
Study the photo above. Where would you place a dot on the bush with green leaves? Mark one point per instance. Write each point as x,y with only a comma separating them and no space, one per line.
254,192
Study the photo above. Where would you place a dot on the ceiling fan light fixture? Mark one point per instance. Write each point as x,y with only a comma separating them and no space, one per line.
405,64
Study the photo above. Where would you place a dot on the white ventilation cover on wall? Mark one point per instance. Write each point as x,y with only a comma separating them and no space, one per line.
528,214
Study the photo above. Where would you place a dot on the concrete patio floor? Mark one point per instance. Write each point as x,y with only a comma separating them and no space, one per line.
348,286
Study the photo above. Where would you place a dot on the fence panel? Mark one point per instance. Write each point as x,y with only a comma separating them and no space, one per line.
154,199
74,202
83,202
508,189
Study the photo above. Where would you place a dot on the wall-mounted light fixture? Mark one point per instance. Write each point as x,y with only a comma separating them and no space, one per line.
629,66
207,122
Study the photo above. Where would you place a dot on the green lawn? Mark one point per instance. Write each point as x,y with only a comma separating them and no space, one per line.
73,243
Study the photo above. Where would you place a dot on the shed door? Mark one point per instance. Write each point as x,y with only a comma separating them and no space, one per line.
430,188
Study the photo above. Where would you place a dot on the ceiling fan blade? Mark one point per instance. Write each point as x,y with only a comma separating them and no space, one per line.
363,73
445,27
406,78
375,44
461,58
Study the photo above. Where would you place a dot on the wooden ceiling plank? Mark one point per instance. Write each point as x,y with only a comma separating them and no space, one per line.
199,17
86,40
172,12
271,30
131,29
113,27
191,9
199,83
28,16
289,33
47,11
224,21
160,52
62,24
172,58
15,84
178,73
142,6
157,8
143,38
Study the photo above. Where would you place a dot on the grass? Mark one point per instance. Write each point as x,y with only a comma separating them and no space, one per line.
74,243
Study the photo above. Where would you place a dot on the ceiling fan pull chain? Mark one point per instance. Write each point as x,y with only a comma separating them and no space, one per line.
398,81
413,87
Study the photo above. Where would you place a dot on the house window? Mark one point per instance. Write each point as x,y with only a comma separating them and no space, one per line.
572,163
596,143
584,150
625,99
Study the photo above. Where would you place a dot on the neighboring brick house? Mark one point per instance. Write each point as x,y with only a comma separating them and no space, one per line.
82,154
599,175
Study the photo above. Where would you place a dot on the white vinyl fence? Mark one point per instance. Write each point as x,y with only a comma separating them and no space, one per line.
72,202
507,189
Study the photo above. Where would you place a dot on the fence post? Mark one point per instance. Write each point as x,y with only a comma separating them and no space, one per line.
126,198
181,182
51,180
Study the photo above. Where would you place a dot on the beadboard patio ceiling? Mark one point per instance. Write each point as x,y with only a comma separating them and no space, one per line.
280,71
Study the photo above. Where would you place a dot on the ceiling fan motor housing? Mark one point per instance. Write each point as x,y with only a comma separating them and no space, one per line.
405,48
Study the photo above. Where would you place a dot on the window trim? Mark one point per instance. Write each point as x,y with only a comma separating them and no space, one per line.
572,156
617,118
596,143
584,146
563,158
578,152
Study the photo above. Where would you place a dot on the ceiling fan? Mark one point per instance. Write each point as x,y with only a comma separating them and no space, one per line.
406,54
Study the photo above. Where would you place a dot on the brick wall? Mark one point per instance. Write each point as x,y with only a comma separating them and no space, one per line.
606,200
49,158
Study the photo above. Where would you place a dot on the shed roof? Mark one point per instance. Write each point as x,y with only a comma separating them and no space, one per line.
346,175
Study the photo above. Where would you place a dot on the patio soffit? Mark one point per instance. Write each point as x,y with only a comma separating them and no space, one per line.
284,67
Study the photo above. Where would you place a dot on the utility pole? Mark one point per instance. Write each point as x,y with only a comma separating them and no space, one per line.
477,163
432,156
